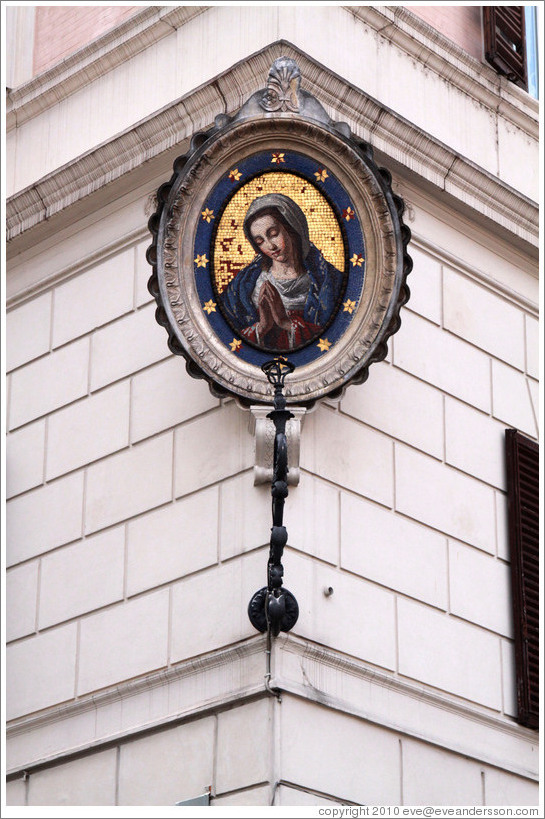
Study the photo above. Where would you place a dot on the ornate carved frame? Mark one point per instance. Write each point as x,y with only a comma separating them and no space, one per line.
279,116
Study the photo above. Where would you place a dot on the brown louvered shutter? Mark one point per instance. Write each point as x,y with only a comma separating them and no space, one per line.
505,42
522,457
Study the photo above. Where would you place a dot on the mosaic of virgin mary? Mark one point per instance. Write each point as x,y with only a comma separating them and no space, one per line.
288,293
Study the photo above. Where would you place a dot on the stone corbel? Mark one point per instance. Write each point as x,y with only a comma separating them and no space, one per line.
264,431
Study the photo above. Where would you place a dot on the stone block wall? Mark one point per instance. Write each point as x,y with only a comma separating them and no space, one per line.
231,755
136,536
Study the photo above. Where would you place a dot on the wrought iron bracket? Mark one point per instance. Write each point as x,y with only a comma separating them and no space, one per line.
273,608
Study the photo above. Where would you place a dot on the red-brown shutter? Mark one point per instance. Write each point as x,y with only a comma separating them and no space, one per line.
522,456
505,41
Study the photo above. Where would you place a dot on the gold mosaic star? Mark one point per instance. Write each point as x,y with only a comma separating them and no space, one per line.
209,306
348,214
324,345
235,345
277,158
201,260
235,175
349,306
281,360
207,215
357,259
321,174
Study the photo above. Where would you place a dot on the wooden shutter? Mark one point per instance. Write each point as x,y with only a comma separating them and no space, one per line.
522,457
505,41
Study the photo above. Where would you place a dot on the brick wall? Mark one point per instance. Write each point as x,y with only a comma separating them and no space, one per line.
61,30
461,24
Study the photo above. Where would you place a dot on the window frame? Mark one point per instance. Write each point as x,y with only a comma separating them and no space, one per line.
504,33
522,463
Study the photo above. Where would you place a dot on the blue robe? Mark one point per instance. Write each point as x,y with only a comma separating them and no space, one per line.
325,289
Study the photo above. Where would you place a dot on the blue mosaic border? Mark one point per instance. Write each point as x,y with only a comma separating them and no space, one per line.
335,193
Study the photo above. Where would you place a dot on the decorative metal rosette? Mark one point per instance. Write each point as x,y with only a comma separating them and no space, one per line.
320,193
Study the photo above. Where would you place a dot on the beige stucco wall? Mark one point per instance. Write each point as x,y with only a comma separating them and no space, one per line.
135,536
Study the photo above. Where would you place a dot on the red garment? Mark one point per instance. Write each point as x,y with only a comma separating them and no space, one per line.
279,339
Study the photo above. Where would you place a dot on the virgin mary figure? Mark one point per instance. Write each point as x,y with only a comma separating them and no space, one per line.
287,294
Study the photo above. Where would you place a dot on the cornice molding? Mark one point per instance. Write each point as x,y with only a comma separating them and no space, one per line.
143,29
395,137
430,47
326,676
397,24
229,675
236,674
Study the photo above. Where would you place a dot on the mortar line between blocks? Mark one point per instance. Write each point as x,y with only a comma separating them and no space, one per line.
497,142
117,771
444,405
502,677
448,577
90,364
134,277
339,528
173,467
276,741
491,365
129,441
496,531
76,670
394,476
534,416
401,796
218,528
169,627
38,595
442,300
46,443
215,756
51,319
125,560
525,329
84,502
8,401
396,634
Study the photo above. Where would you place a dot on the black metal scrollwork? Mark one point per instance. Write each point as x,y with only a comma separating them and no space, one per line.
274,607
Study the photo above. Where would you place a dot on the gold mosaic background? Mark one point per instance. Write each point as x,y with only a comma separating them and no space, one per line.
233,251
